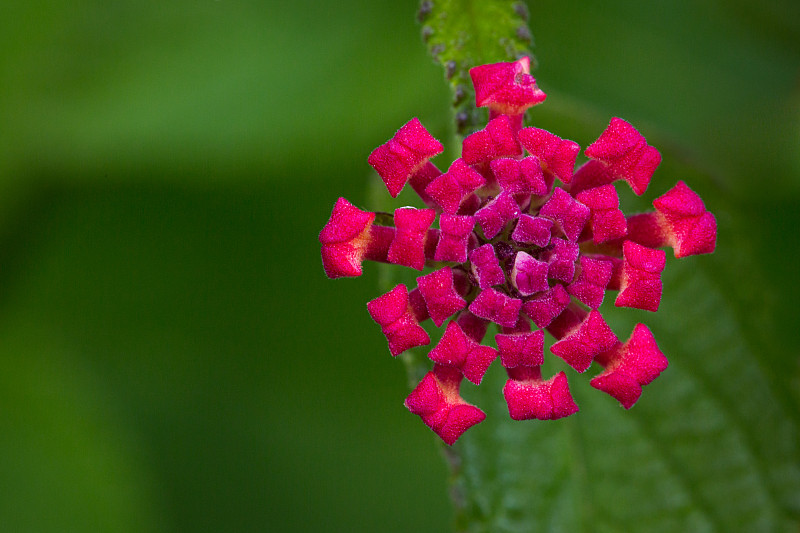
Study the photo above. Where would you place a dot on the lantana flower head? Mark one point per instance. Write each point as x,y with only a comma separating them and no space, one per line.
525,241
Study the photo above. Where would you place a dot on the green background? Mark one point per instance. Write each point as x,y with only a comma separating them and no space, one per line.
172,357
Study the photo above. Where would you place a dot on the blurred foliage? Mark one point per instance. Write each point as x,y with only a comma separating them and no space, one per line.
173,358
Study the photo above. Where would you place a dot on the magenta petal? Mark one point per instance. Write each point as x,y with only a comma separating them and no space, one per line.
474,326
496,307
606,220
537,399
624,388
520,176
453,347
640,283
427,396
344,239
545,307
591,337
523,325
521,349
460,418
590,285
478,362
691,229
631,365
405,153
590,175
486,267
529,275
533,230
561,260
394,314
496,140
451,188
456,349
408,246
568,214
626,154
556,154
496,214
454,238
440,295
506,88
438,403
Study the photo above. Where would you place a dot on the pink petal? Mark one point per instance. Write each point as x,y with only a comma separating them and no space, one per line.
345,239
451,188
453,347
506,88
454,238
647,229
529,275
640,284
437,401
423,177
456,349
533,230
590,285
561,260
568,214
486,267
521,349
405,153
472,325
590,175
497,213
607,221
394,314
690,228
496,307
496,140
440,295
629,366
547,306
626,154
580,345
520,176
557,155
408,246
537,399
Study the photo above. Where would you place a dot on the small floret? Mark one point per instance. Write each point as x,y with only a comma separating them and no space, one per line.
395,315
438,402
629,366
403,155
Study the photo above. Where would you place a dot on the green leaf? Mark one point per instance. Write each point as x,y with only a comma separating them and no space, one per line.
461,34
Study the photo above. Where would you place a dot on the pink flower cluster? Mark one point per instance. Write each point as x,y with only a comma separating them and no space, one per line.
514,249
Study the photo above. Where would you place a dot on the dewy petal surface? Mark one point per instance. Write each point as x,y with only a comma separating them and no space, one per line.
626,154
506,88
408,246
402,155
629,366
557,155
691,229
439,404
441,298
344,239
496,140
393,313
